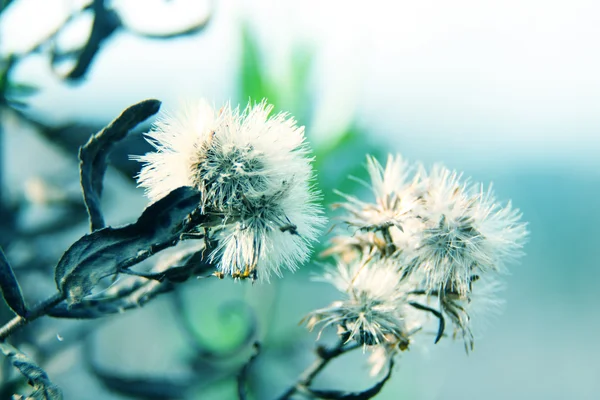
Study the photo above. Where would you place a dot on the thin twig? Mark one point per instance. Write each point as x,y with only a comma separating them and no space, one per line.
243,374
324,357
106,22
132,296
102,308
362,395
33,314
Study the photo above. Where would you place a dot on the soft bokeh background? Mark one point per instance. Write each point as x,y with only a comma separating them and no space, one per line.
506,91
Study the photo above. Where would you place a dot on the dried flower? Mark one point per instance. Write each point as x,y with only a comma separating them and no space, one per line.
424,256
372,312
448,230
466,233
393,197
252,170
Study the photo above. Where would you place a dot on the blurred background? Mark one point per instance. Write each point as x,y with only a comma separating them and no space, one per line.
506,91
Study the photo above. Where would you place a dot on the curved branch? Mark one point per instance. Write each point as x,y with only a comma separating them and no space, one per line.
362,395
106,22
243,374
439,315
40,310
324,357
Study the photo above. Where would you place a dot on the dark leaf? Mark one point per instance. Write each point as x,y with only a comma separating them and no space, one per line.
129,294
43,388
94,154
106,22
187,264
243,374
10,287
98,308
442,325
107,251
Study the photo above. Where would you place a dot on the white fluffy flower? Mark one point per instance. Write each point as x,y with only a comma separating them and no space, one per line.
393,197
178,139
252,169
440,238
372,312
466,233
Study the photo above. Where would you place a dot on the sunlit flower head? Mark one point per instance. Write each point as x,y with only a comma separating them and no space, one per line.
272,233
372,312
466,233
252,169
393,197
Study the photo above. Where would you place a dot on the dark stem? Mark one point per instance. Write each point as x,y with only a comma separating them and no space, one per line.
362,395
324,357
106,21
1,166
38,311
243,374
438,314
390,247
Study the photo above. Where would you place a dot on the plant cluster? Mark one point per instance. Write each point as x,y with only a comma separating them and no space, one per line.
239,185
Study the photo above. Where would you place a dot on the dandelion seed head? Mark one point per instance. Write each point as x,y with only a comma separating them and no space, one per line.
393,201
251,155
252,169
372,312
177,138
424,258
466,233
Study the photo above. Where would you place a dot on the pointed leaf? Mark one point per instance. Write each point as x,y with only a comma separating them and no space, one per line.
94,155
106,251
10,287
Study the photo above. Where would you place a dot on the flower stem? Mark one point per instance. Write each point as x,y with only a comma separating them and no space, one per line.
38,311
324,357
390,247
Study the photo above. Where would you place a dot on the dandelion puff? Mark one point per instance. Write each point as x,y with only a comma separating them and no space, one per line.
372,312
380,224
178,139
393,198
252,169
466,233
272,234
